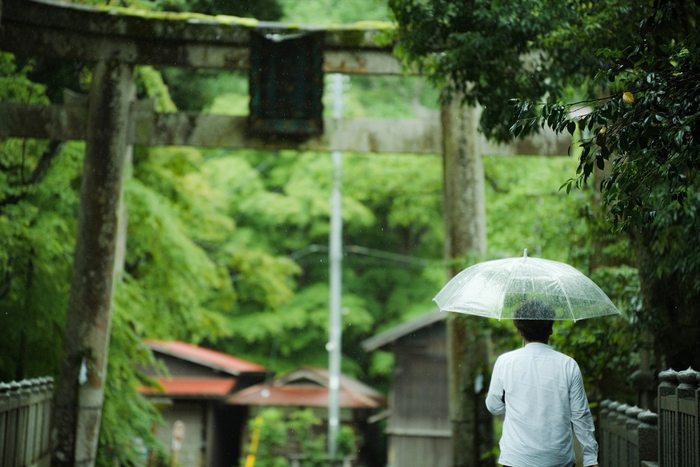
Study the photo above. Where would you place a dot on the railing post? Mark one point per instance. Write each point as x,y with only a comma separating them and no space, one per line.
643,383
604,432
38,418
11,437
697,418
686,392
4,411
621,432
648,434
32,392
668,419
47,420
22,422
612,454
632,437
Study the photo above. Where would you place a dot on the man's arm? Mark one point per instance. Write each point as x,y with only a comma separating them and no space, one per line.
496,397
582,420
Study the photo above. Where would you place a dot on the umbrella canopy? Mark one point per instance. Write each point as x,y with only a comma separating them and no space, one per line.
495,289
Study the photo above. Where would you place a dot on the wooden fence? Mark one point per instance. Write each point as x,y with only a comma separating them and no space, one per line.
25,422
632,437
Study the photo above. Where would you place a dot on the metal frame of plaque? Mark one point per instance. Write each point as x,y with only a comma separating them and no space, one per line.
286,85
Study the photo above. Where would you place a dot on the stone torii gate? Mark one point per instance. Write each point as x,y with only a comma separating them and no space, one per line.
111,121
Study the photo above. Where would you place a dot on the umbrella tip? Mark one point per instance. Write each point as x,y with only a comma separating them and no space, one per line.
525,253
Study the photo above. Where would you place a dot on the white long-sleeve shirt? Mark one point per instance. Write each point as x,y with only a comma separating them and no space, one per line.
541,393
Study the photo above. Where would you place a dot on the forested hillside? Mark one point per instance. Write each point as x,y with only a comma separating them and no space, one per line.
228,249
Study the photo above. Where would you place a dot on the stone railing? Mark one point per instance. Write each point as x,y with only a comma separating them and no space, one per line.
628,435
25,422
632,437
679,418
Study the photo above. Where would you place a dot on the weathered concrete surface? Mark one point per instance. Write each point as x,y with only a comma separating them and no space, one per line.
55,122
375,135
465,233
79,32
190,27
79,394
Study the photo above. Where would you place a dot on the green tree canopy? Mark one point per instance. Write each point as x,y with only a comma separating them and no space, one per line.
492,51
624,74
643,136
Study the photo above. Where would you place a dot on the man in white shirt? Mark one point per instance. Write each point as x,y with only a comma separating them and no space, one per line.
541,393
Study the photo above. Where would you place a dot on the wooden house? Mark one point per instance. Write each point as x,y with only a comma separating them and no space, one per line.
309,388
418,429
196,388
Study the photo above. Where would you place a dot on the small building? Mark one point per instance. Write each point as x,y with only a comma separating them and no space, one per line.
309,388
195,391
419,430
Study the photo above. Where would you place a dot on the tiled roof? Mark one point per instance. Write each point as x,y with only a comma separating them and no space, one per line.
308,387
193,387
384,339
211,358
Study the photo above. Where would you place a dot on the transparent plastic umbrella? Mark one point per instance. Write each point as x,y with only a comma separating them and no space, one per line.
495,289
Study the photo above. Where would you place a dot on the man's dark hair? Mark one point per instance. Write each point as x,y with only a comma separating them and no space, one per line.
534,319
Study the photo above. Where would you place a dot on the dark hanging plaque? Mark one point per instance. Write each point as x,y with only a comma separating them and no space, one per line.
286,84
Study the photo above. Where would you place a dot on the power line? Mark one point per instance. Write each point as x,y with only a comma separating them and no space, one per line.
365,251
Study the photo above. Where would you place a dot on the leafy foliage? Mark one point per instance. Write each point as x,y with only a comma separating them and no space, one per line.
300,429
491,51
634,65
646,130
643,137
330,11
36,236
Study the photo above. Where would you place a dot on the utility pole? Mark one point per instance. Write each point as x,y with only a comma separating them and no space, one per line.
465,232
335,253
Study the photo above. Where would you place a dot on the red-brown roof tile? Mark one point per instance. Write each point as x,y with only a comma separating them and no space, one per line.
192,387
211,358
299,396
308,387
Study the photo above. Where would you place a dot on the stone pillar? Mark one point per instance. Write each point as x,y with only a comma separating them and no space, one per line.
620,430
643,382
688,414
648,433
668,418
604,431
81,386
465,233
632,438
464,194
612,454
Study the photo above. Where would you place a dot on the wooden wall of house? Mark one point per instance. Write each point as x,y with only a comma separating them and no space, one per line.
213,432
183,368
193,414
419,426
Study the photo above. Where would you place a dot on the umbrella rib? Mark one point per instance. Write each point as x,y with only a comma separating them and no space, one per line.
466,284
568,302
503,297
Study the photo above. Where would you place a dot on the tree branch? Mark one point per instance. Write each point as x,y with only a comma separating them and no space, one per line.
53,149
494,185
